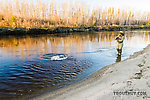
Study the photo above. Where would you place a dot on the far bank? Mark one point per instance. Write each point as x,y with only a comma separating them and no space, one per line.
65,30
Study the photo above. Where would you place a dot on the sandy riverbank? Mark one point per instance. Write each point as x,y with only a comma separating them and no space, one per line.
126,80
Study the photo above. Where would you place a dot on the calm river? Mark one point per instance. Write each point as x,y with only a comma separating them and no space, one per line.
30,65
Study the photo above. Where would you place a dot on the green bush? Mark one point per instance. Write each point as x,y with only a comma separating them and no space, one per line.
14,19
91,24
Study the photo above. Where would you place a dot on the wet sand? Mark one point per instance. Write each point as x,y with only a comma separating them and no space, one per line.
126,80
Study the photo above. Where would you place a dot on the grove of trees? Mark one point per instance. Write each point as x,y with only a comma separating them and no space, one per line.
24,13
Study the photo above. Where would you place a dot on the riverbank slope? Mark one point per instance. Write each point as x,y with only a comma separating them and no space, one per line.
126,80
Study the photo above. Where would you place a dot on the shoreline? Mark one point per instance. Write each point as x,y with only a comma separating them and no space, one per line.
127,75
57,30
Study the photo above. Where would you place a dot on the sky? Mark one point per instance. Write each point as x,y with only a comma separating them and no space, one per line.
139,5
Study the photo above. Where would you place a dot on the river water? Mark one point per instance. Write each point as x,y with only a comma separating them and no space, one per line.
31,65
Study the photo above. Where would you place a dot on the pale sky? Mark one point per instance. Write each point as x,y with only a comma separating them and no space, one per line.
139,5
142,5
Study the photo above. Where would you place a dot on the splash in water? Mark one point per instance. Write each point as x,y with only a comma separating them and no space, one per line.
59,57
55,57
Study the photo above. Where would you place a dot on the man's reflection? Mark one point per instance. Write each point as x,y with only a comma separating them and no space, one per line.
118,59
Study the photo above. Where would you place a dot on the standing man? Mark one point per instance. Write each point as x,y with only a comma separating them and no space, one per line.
120,39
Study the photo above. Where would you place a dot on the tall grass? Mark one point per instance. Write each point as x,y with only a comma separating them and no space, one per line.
25,13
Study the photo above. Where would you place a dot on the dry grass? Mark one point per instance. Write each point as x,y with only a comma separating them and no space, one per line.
22,13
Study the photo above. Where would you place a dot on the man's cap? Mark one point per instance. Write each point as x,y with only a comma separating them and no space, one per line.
121,31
